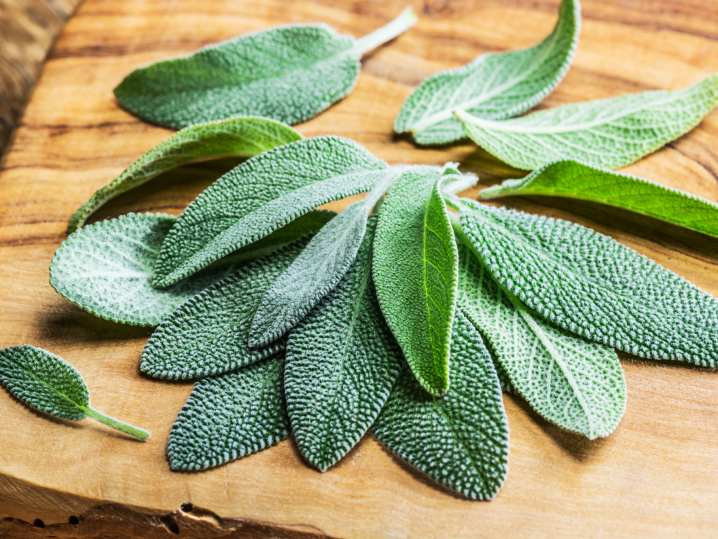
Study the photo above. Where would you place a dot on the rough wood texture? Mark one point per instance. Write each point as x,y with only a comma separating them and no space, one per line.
27,30
654,477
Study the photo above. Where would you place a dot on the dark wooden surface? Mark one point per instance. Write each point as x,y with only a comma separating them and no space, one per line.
654,477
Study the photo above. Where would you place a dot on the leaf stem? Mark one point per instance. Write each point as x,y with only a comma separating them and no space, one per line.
141,434
398,26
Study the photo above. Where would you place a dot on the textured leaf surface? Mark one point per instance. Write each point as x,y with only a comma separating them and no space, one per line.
238,137
289,73
610,133
310,277
415,271
107,268
230,416
593,286
460,440
44,381
572,179
572,382
208,334
342,362
493,86
262,195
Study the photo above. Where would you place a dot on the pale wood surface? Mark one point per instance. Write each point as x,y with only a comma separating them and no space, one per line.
657,476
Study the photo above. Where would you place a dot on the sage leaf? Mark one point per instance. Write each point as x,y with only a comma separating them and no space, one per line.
262,195
288,73
460,440
610,133
230,416
415,272
572,382
493,86
594,287
238,137
50,384
207,335
341,364
572,179
107,268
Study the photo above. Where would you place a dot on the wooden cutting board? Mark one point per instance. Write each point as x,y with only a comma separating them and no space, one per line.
656,476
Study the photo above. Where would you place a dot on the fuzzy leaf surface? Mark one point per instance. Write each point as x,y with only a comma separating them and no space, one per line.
342,362
415,272
572,382
230,416
610,133
107,268
460,440
237,137
310,277
593,286
572,179
262,195
208,334
493,86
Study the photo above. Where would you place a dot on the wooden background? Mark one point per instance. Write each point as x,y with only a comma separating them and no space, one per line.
656,476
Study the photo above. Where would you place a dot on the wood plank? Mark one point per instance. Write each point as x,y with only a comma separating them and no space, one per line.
654,477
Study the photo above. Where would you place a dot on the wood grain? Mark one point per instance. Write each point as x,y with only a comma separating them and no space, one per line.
654,477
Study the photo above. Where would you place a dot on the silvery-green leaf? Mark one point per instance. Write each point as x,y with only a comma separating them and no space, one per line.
49,383
262,195
415,272
238,137
230,416
460,440
207,335
593,286
609,133
493,86
572,179
288,73
342,362
106,268
572,382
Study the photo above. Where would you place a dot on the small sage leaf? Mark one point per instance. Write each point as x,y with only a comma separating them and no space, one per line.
49,383
592,286
572,382
493,86
460,440
289,73
107,268
261,196
609,133
572,179
207,335
342,362
238,137
230,416
415,271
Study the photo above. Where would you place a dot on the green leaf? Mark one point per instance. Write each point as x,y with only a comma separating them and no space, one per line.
592,286
572,179
230,416
288,73
460,440
576,384
106,268
238,137
50,384
342,362
415,271
493,86
207,335
261,196
610,133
